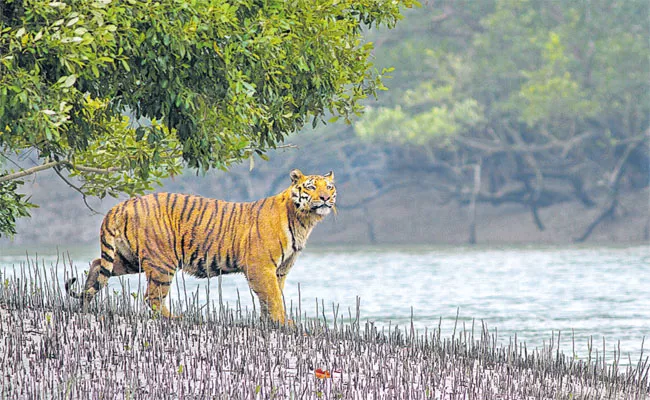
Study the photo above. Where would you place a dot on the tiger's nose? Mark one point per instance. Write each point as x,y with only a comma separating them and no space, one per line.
325,197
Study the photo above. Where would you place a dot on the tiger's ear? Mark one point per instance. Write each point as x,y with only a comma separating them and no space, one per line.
329,175
296,175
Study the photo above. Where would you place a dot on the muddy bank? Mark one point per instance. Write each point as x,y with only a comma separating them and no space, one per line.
51,349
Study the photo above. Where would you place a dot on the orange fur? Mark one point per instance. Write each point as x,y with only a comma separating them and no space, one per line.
160,233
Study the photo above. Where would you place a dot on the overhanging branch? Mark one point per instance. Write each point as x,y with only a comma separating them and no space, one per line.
29,171
53,164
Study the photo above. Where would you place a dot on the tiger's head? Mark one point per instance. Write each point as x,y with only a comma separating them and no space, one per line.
313,193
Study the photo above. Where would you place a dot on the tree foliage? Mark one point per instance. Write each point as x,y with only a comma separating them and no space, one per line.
221,80
540,94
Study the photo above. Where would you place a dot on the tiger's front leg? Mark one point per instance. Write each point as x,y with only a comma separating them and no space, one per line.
159,280
265,284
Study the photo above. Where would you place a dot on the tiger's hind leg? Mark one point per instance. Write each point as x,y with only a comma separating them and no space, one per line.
159,281
91,282
92,285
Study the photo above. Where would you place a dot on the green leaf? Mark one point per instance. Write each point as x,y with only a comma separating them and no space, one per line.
67,81
72,21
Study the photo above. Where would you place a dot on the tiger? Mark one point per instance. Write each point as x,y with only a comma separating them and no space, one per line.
161,233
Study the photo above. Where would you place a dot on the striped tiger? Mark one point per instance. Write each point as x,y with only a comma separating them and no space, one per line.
161,233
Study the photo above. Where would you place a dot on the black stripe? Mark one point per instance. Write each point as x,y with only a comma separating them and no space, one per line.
103,240
272,259
104,271
234,229
194,201
158,210
173,234
214,266
203,210
290,214
162,270
193,257
257,221
173,205
136,221
219,231
232,214
159,283
282,250
165,229
182,249
126,224
225,207
160,220
200,269
97,285
293,237
170,213
145,204
212,226
184,206
107,218
107,257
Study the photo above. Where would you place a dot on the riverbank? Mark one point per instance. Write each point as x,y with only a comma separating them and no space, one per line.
410,213
52,350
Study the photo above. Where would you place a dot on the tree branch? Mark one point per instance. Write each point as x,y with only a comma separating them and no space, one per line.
495,148
94,170
30,171
53,164
85,199
613,186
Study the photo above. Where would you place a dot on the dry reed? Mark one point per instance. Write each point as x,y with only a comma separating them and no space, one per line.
50,349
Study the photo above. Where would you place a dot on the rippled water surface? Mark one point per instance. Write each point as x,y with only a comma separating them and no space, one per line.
528,291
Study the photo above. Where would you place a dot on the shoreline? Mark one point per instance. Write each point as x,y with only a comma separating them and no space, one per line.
508,314
52,350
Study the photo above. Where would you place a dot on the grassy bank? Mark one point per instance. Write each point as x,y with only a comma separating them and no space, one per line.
49,348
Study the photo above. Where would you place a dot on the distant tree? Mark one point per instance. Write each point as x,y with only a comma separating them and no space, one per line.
220,80
548,100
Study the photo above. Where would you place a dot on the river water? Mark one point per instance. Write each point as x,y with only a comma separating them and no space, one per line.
533,292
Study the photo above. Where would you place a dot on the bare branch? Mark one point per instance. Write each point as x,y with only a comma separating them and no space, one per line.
94,170
490,147
614,180
30,171
287,146
53,164
10,160
58,172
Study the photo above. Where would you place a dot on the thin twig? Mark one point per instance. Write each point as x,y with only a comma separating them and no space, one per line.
56,170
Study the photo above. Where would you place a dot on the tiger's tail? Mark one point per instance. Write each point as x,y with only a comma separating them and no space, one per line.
70,292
